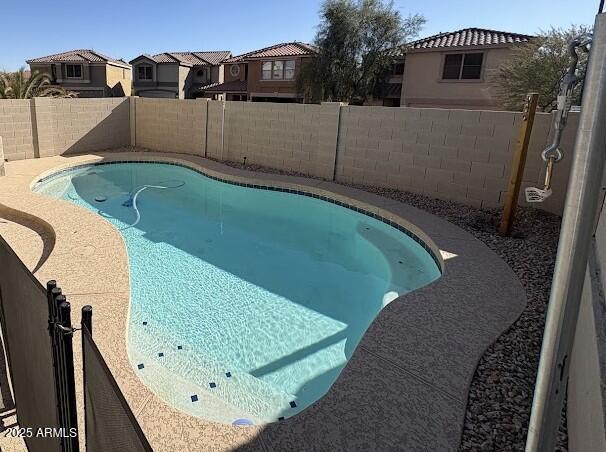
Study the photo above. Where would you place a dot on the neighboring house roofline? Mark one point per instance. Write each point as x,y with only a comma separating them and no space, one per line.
281,50
79,56
142,57
467,38
188,59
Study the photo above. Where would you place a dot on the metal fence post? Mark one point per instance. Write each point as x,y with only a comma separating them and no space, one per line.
87,318
52,292
578,220
61,332
66,335
86,323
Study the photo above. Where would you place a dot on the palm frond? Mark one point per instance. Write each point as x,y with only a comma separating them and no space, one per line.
17,85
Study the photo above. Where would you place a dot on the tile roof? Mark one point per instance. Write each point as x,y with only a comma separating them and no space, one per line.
469,37
227,87
190,58
214,57
278,50
81,55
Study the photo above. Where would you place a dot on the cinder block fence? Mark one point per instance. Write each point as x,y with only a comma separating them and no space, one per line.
459,155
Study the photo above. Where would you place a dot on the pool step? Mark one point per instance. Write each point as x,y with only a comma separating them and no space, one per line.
224,390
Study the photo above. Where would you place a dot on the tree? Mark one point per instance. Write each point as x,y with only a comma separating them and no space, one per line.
539,67
356,41
17,85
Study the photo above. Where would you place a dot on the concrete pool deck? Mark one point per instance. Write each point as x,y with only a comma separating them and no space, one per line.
406,385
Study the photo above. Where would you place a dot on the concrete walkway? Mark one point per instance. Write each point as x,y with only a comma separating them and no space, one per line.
406,386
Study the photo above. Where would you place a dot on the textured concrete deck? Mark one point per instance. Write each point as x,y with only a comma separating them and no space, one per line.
405,387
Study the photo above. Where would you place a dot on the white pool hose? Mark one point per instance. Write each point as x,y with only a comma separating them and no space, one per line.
134,200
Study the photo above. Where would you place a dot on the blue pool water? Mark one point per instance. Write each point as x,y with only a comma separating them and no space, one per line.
245,303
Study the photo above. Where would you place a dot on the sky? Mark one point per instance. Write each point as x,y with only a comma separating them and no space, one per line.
128,28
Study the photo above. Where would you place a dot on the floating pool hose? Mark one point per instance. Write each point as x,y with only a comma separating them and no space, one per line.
132,200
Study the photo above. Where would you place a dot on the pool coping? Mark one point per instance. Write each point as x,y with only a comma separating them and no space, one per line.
400,224
407,383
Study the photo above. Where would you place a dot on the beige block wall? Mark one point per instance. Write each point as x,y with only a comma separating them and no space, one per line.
16,129
457,155
69,126
291,137
171,125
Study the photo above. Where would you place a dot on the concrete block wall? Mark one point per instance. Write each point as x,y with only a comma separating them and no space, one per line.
291,137
171,125
70,126
458,155
16,129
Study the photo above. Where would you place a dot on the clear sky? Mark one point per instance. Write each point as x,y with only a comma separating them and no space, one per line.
127,28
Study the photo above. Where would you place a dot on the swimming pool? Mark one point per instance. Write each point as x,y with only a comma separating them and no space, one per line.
246,303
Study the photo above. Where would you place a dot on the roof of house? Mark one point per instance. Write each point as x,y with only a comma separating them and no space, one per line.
78,56
284,49
235,86
210,58
469,37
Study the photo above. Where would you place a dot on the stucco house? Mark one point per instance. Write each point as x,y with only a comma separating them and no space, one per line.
268,74
178,75
456,69
86,72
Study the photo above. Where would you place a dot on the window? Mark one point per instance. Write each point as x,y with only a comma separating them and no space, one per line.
289,69
74,70
279,70
144,72
472,66
463,66
234,70
267,70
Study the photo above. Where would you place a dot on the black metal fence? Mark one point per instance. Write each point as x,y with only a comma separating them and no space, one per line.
37,333
61,333
25,320
105,407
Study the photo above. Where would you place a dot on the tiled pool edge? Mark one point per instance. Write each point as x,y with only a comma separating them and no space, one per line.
319,426
276,187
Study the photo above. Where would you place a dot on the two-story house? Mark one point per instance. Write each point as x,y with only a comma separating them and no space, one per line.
86,72
180,75
264,75
456,69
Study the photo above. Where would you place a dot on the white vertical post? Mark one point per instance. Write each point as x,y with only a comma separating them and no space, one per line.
132,100
2,171
580,210
222,130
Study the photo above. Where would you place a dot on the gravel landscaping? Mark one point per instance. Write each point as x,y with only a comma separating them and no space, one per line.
500,396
